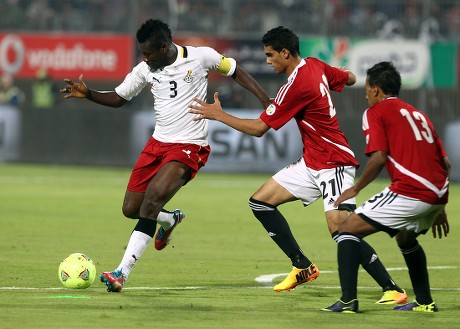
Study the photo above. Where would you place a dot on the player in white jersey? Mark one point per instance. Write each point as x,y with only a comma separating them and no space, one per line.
178,147
173,88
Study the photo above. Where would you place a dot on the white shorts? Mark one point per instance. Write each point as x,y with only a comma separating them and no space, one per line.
309,185
392,212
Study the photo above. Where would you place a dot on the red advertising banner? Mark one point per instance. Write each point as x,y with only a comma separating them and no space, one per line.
97,56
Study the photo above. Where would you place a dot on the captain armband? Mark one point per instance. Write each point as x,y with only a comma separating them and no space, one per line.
227,66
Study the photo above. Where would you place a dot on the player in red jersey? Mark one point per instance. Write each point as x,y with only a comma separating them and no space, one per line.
327,166
402,139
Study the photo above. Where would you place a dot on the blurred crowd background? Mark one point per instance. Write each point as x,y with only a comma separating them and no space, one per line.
54,130
363,18
426,20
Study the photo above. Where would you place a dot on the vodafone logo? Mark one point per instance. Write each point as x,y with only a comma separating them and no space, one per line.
98,56
12,54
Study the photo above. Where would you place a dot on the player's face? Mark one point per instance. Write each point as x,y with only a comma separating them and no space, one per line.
275,59
156,58
371,94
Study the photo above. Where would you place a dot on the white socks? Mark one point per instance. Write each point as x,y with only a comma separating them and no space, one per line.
165,219
137,244
139,241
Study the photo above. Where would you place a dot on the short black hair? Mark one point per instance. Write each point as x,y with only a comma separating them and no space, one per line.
281,37
386,76
155,32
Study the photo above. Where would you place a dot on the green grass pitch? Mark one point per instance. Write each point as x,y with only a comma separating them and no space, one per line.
206,277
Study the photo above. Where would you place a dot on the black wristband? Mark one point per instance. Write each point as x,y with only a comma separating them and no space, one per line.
89,95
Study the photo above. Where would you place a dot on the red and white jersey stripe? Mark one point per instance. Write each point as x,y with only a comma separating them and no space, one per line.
306,97
415,151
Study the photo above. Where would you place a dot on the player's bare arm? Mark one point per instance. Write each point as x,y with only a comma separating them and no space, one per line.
248,82
351,78
374,166
214,111
79,89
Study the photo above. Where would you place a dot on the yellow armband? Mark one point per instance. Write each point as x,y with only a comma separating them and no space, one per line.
226,66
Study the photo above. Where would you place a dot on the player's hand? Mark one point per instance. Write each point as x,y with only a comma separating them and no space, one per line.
75,89
347,194
267,103
343,68
205,110
440,225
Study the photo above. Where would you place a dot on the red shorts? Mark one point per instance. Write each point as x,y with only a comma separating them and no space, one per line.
155,154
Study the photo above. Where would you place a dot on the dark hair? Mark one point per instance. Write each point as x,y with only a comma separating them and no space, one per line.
281,37
154,31
386,76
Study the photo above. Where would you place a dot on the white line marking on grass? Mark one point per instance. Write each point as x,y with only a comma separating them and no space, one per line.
30,288
126,288
310,286
165,288
268,278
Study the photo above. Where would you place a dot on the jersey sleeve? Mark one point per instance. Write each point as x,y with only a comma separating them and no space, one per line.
336,78
284,107
214,61
133,84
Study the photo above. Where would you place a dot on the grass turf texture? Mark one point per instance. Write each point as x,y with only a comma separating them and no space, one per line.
206,277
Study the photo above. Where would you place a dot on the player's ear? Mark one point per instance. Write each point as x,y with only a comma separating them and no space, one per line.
285,53
376,90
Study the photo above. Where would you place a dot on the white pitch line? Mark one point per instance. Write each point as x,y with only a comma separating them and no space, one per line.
266,279
194,288
126,288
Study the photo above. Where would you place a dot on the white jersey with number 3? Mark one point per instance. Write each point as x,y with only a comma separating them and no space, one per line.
173,88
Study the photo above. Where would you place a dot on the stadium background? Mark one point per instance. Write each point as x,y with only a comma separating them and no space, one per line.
96,38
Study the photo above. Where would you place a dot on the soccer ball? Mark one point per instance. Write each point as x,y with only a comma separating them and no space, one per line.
77,271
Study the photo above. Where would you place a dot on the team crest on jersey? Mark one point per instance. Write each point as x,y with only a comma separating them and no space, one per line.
188,78
270,109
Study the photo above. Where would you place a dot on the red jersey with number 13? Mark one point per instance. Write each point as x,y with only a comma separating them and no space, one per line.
306,97
415,152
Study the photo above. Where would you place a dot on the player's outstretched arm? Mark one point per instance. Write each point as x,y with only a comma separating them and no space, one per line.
214,111
79,89
246,80
351,76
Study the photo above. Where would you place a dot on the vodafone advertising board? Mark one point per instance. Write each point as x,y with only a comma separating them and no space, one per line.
97,56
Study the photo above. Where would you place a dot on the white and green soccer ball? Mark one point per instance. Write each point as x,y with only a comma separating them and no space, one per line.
77,271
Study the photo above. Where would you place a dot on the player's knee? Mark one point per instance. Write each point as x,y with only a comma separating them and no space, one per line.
260,209
406,239
130,212
132,204
150,208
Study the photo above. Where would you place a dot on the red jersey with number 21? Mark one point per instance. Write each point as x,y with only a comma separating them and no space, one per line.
306,97
415,152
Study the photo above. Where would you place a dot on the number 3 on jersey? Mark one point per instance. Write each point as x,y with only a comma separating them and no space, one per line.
419,134
173,89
